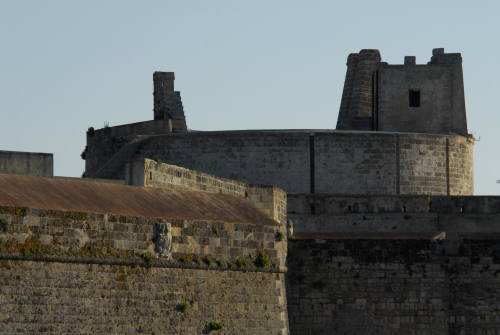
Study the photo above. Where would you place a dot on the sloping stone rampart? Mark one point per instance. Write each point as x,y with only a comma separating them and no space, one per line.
77,272
150,173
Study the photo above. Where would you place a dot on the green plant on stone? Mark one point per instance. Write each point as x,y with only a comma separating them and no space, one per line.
240,263
214,325
208,261
279,236
26,252
4,226
183,307
147,258
261,260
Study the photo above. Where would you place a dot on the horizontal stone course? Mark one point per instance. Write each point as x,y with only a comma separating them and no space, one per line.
392,287
85,273
40,297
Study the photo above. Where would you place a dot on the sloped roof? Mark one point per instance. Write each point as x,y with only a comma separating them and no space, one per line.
106,198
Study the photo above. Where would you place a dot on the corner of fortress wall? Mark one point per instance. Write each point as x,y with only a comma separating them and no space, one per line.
151,173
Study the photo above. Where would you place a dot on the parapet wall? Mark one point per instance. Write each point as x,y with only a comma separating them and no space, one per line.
146,172
394,217
103,274
27,163
324,161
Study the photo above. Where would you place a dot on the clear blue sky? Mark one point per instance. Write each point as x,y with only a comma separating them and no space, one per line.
68,65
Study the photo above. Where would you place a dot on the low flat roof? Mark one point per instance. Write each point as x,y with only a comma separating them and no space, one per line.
106,198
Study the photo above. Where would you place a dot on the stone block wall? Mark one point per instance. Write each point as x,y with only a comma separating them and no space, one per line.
393,287
153,173
68,272
256,157
461,165
423,165
348,163
323,161
105,143
27,163
376,94
394,216
356,108
80,298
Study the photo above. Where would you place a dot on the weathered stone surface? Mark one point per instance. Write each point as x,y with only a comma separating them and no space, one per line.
393,287
76,298
146,172
27,163
344,162
74,272
83,196
376,94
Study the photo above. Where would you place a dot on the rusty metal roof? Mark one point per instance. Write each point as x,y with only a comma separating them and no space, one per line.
105,198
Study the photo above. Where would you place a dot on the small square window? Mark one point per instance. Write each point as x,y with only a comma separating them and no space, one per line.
414,98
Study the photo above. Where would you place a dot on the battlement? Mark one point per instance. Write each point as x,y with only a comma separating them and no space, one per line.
409,97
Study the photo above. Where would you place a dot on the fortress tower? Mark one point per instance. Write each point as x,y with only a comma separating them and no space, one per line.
404,98
401,130
167,102
366,229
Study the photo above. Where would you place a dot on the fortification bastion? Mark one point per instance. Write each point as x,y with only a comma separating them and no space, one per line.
367,229
418,145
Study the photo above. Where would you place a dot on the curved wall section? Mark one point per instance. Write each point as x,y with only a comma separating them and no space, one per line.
337,162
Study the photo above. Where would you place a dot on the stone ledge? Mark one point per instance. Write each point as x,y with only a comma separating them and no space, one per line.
155,263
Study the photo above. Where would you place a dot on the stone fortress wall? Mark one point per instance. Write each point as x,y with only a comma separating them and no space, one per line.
146,172
383,144
404,98
27,163
387,264
383,234
393,286
320,161
122,274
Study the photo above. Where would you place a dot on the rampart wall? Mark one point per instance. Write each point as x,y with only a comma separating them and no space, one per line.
324,162
382,264
453,217
149,173
393,287
27,163
63,272
104,143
